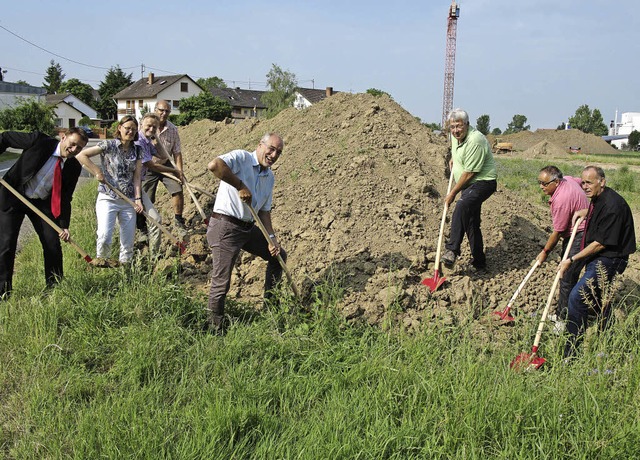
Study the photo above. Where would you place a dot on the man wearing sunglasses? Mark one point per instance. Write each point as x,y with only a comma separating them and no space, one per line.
566,197
246,180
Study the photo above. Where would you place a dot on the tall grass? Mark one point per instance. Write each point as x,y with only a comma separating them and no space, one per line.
115,364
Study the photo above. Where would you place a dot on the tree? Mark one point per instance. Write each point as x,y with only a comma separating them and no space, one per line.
561,127
634,140
377,92
22,82
80,90
483,124
433,126
496,131
517,124
282,85
211,82
53,78
201,106
29,115
588,122
114,81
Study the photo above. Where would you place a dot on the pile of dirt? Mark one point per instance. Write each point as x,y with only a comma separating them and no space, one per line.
358,203
562,139
545,149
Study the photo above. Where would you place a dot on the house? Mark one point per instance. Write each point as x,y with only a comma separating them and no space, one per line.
69,109
619,130
306,97
12,93
143,95
245,103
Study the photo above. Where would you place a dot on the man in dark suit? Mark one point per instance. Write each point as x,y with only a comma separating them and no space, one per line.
34,176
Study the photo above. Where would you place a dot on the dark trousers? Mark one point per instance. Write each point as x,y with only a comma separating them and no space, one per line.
586,296
466,220
10,222
570,277
226,240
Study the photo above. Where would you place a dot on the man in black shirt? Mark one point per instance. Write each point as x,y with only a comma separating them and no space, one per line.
608,240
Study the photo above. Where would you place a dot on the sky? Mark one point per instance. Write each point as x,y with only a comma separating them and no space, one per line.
538,58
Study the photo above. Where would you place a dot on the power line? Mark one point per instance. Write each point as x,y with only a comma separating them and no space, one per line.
58,55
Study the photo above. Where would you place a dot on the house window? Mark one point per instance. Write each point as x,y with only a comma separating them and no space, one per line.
72,122
184,87
176,104
128,104
58,122
140,103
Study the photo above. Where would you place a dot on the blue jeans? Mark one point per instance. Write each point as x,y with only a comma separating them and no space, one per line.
466,220
570,277
584,298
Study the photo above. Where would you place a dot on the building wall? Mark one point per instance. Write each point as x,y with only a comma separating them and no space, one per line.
172,93
301,102
629,122
8,100
67,116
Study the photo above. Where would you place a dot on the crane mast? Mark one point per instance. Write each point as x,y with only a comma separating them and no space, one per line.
450,61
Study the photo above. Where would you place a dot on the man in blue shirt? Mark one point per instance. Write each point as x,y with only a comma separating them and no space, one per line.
246,179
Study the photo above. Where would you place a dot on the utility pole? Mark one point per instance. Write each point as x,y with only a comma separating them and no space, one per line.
450,61
142,69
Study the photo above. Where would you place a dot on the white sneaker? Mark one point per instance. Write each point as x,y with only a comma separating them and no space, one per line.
559,327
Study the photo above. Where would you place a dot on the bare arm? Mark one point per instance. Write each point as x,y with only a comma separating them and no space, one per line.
84,159
593,248
274,245
220,169
548,247
464,179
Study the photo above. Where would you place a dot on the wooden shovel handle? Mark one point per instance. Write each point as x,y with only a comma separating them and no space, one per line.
444,218
191,194
44,217
280,260
545,312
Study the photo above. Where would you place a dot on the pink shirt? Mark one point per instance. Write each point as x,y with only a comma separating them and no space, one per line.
565,201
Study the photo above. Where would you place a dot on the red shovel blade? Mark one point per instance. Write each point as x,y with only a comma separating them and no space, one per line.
527,362
435,282
183,247
504,315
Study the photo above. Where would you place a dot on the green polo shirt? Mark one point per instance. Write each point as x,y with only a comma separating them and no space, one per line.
473,155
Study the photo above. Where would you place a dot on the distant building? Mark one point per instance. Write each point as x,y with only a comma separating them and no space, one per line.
619,131
12,93
69,109
245,103
306,97
147,92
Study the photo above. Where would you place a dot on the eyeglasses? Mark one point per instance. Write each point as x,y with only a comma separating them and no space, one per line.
163,110
545,184
272,149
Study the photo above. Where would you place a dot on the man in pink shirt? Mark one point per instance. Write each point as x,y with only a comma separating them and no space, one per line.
566,197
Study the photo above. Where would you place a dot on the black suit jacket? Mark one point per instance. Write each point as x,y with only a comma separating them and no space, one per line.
37,148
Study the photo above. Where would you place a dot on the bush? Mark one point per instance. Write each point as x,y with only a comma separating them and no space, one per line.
29,115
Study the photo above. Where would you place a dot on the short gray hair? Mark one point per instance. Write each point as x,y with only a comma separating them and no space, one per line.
599,171
265,139
458,115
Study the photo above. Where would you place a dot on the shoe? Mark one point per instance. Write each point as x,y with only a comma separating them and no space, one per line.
449,258
559,327
179,224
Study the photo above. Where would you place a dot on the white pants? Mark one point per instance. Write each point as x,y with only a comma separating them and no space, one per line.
154,230
108,210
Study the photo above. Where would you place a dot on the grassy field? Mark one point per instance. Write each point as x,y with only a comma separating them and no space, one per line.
115,364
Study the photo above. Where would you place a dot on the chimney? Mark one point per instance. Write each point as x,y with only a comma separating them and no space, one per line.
150,79
329,91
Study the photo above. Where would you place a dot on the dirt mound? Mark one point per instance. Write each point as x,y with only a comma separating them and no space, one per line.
544,149
358,202
562,139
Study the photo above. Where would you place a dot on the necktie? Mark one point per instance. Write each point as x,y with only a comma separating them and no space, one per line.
586,224
56,190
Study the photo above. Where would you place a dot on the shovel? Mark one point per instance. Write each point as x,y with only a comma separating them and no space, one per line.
192,195
436,281
264,231
181,244
504,314
531,361
51,223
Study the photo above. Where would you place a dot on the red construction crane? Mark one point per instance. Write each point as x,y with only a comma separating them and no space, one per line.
450,61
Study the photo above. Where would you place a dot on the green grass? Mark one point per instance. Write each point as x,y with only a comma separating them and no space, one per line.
621,158
521,175
114,364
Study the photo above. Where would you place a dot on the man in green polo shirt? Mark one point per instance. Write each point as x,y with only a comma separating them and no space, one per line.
475,176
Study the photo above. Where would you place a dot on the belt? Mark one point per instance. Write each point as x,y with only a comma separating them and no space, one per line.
234,220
